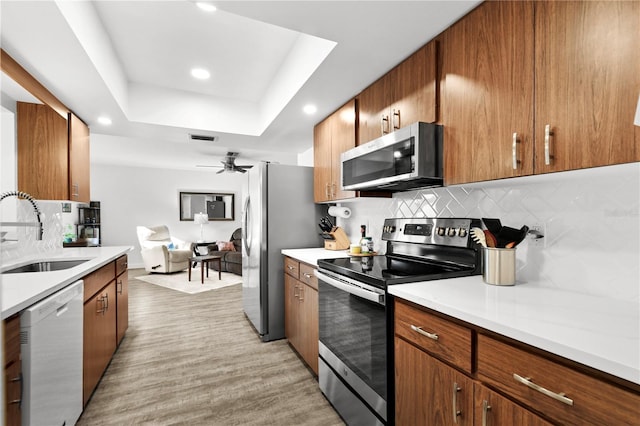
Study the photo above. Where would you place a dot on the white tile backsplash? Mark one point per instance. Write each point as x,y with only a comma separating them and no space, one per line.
591,219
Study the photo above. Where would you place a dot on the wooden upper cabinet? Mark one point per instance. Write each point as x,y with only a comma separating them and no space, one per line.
587,79
331,137
487,93
79,160
43,163
404,95
562,82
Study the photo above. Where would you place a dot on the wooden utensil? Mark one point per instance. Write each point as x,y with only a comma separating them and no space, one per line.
490,239
478,236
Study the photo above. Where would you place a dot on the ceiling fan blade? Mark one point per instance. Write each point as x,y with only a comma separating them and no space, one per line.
245,166
221,171
207,165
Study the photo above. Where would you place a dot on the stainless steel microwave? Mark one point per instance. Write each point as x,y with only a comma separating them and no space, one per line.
409,158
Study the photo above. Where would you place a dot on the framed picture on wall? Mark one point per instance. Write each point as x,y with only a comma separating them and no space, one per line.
217,205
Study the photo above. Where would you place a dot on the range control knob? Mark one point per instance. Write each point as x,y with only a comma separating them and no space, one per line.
462,232
452,232
440,231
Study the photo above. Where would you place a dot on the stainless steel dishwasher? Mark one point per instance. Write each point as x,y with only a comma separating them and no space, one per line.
51,344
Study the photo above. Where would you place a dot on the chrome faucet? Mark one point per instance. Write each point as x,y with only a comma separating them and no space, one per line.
29,198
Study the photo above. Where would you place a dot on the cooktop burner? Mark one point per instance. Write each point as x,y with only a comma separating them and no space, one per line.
417,250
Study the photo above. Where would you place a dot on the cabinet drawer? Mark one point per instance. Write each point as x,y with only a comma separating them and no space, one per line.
121,264
441,338
587,400
307,276
98,279
292,267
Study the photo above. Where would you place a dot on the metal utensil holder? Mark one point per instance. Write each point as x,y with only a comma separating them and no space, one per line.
499,266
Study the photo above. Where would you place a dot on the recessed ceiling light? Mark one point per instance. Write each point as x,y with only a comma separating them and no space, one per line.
104,120
310,109
200,73
207,7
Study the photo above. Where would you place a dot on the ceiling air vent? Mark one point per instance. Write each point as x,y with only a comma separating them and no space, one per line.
202,138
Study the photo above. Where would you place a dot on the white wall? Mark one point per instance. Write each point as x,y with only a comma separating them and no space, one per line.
132,196
591,219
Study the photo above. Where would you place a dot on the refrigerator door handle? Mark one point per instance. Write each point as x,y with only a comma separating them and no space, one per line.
246,238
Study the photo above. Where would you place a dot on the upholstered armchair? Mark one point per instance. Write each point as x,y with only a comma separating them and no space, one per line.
161,252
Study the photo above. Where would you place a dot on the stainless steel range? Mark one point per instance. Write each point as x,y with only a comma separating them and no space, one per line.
356,322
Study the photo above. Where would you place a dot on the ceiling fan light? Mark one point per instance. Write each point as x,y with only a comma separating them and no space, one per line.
309,109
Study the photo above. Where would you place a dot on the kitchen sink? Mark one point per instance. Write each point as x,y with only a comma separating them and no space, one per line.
45,266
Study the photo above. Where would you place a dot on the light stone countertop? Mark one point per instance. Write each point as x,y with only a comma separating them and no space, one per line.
311,255
21,290
600,332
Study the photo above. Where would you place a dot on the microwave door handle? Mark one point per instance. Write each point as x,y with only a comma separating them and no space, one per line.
371,296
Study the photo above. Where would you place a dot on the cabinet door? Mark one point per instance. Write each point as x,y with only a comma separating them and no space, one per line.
122,305
428,392
309,325
373,110
322,161
79,160
587,79
291,287
491,409
343,137
99,336
42,147
413,91
487,93
13,393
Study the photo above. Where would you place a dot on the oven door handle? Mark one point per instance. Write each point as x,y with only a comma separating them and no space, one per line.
369,295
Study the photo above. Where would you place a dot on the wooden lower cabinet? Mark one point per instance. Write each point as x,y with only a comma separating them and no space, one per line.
509,384
99,337
491,408
301,311
12,371
429,392
122,298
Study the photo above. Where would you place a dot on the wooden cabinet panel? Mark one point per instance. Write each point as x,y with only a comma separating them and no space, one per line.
122,305
427,389
487,93
12,368
42,147
122,264
98,279
292,267
492,409
99,337
301,313
594,401
331,137
308,276
404,95
79,160
449,341
587,79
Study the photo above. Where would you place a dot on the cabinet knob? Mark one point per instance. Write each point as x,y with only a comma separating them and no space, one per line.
547,141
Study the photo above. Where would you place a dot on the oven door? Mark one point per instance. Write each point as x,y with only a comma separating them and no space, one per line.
353,362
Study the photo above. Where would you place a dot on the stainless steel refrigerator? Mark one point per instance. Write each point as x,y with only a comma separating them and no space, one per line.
278,213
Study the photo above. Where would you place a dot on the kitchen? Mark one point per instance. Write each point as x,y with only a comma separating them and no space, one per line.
579,212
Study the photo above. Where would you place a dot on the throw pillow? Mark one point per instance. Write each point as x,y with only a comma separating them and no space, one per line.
226,246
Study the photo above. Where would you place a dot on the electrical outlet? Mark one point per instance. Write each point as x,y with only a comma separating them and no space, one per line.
539,237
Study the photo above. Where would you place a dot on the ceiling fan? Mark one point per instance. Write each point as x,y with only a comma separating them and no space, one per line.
229,164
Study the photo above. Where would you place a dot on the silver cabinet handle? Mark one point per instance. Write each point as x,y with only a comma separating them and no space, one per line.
485,410
301,294
514,151
558,396
106,302
307,275
419,330
295,287
291,268
383,130
456,412
326,191
119,283
396,118
547,135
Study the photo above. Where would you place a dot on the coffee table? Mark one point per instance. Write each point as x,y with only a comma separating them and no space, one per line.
204,264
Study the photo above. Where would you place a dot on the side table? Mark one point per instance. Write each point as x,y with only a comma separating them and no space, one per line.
204,264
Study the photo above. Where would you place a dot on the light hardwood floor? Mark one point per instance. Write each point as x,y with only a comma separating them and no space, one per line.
194,359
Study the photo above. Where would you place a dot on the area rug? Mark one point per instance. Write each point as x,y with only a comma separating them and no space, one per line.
180,281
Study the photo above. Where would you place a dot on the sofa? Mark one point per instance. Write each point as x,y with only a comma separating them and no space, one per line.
162,253
230,253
